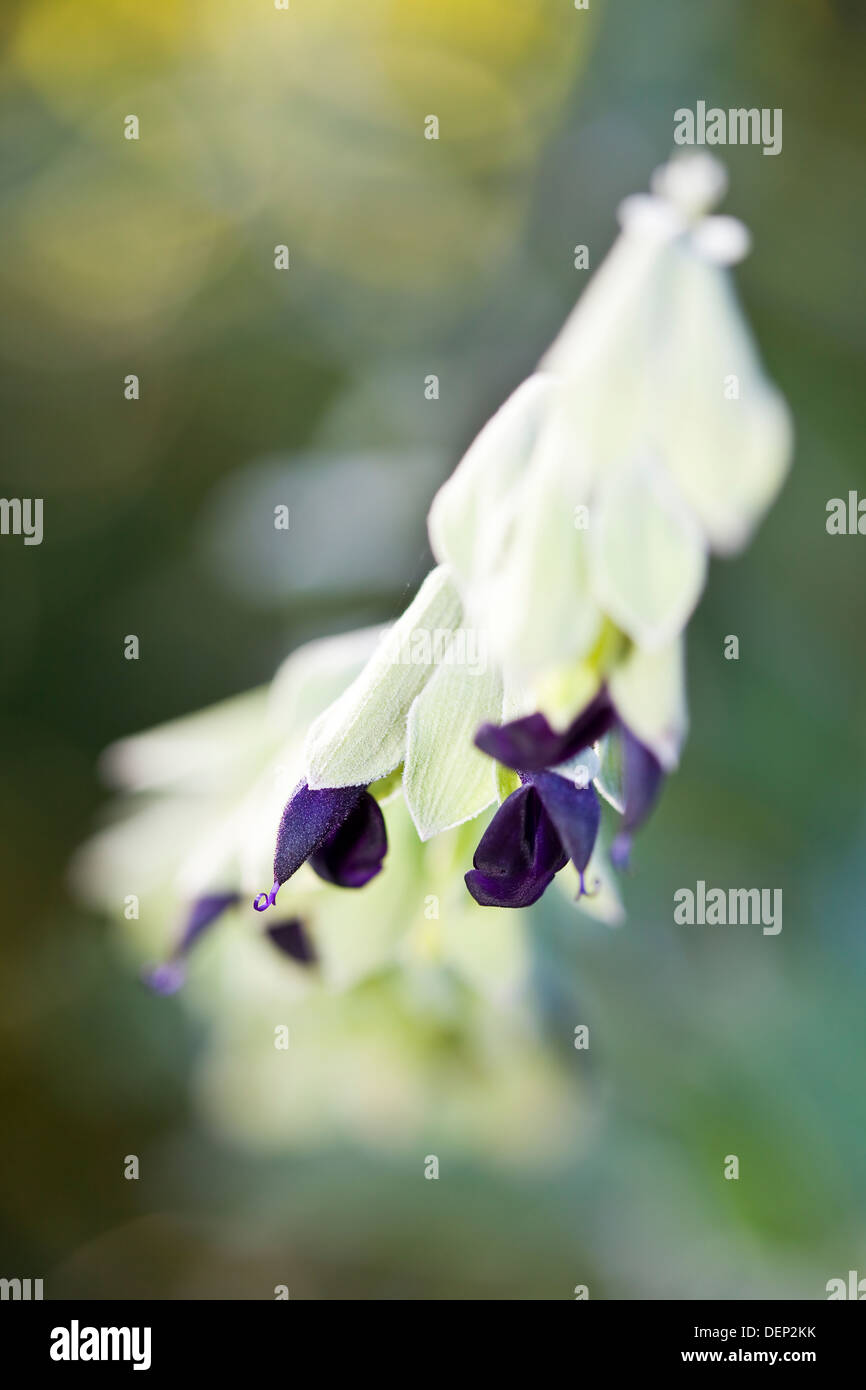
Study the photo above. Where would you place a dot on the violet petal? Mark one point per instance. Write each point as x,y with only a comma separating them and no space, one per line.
168,977
309,819
203,912
575,813
531,745
518,854
642,778
353,852
291,938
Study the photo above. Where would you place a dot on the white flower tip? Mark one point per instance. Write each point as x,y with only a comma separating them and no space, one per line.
683,192
693,183
651,217
724,240
667,749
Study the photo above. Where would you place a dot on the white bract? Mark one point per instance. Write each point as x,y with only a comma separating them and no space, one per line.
649,437
418,702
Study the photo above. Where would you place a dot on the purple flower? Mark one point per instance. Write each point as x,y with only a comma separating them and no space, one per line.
642,778
291,938
531,745
168,977
340,831
549,819
537,829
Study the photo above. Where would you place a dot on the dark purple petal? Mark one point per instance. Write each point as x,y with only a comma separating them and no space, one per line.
291,938
530,745
518,854
575,813
203,912
166,978
353,852
169,976
642,778
309,819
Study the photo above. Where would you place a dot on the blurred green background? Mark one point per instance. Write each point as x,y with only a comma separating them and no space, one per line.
411,257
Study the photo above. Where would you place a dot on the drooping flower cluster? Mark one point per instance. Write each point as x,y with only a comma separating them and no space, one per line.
540,666
573,540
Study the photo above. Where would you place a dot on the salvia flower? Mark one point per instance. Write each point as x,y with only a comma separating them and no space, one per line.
573,541
339,831
552,817
201,796
629,773
537,829
292,938
540,665
167,977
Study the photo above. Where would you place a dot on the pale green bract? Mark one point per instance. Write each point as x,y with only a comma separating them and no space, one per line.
729,450
362,736
648,689
573,536
648,555
545,553
447,780
418,702
472,510
652,420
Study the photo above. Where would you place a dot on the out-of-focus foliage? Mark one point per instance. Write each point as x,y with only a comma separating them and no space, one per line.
304,128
